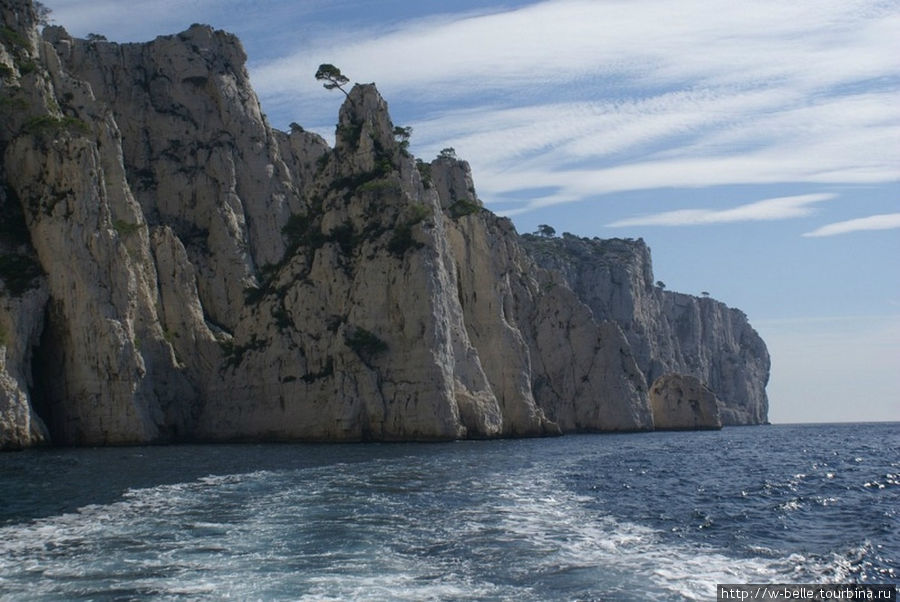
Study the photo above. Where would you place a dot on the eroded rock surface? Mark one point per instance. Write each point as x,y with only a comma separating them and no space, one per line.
681,402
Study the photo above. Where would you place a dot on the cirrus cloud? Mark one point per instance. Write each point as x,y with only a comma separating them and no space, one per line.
578,99
885,221
765,210
581,98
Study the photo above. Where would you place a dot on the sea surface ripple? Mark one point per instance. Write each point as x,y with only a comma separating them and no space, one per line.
653,516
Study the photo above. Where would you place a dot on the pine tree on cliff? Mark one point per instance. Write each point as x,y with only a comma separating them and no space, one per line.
332,77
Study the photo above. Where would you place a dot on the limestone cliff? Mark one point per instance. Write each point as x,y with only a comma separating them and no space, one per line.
681,402
175,269
667,331
200,275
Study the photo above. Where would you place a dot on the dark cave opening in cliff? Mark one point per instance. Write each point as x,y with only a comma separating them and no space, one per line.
48,382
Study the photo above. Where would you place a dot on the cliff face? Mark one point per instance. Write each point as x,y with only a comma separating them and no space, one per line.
172,268
175,269
667,331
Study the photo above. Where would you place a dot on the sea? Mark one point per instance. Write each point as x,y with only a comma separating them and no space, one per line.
643,516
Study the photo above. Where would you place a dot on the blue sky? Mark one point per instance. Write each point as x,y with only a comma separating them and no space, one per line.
755,146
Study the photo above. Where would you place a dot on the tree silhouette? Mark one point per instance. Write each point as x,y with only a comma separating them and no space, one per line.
401,135
332,77
42,13
546,231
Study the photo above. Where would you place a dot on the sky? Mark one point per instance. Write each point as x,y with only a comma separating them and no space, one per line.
755,146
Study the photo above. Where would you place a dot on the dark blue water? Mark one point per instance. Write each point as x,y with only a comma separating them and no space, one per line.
655,516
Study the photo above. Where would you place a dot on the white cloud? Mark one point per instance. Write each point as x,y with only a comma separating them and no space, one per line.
886,221
578,98
765,94
647,41
765,210
677,139
770,166
587,130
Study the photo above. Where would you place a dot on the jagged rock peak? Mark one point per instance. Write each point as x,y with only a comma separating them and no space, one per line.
364,122
452,179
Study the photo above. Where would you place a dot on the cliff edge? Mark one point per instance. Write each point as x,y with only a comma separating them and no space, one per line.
668,332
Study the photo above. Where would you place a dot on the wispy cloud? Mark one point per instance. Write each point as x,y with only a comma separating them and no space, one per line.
886,221
678,139
579,99
765,210
646,42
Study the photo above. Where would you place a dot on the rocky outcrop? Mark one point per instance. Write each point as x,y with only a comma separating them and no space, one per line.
401,315
667,331
197,275
682,402
536,339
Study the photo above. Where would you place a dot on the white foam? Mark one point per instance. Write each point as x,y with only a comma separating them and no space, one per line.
282,534
689,571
